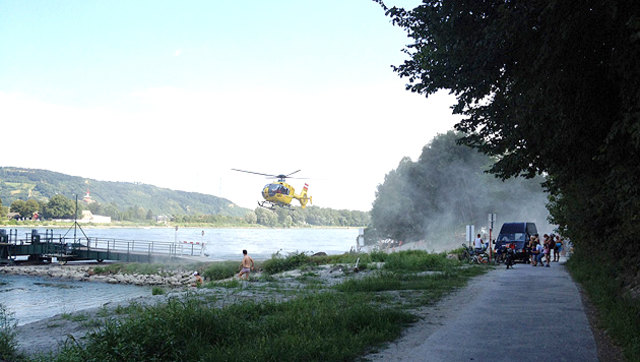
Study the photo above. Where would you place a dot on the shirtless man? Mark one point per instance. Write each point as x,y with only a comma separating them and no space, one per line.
246,265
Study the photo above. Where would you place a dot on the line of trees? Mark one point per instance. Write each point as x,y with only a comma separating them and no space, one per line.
58,207
310,216
61,207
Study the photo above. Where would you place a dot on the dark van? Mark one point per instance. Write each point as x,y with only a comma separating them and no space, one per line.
518,233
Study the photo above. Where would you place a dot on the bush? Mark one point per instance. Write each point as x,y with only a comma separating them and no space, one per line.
417,260
619,313
157,291
8,343
279,264
221,270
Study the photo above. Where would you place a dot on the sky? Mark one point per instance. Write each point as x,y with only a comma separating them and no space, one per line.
177,93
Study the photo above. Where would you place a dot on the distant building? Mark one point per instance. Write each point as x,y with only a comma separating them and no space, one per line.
163,219
87,198
88,216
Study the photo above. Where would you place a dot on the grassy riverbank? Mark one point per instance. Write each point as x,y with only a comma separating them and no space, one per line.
320,310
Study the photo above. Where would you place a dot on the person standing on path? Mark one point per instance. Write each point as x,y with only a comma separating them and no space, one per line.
246,265
557,249
478,244
548,240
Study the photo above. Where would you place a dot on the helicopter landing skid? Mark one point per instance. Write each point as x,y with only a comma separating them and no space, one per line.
271,206
267,205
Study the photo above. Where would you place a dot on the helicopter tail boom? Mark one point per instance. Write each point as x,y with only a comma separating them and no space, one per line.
304,198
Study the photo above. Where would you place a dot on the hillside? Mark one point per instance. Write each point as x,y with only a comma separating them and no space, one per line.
20,183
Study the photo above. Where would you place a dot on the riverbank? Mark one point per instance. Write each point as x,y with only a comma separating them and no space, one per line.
179,277
345,311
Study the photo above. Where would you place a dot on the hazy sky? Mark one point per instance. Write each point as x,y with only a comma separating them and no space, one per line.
176,93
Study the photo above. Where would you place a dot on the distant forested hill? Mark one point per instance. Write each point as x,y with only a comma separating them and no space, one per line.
24,184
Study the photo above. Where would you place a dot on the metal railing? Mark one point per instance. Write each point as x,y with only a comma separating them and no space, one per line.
143,246
56,244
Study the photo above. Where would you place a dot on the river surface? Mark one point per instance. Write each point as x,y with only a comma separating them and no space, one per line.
30,298
33,298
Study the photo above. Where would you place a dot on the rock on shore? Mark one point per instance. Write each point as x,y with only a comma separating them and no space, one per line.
171,278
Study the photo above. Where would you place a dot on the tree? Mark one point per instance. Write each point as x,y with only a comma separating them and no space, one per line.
251,217
266,217
59,207
18,206
546,87
3,210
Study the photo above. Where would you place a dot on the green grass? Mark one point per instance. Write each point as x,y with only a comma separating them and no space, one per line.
80,317
147,268
312,322
619,314
418,260
279,264
317,327
8,342
385,281
221,270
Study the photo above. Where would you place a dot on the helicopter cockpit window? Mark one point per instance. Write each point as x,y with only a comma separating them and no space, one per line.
277,189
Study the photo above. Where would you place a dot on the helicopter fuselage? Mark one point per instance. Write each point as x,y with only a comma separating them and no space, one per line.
281,194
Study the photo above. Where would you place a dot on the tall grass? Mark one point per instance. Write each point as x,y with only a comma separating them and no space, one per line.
130,268
318,327
417,260
8,342
389,280
619,314
279,263
147,268
221,270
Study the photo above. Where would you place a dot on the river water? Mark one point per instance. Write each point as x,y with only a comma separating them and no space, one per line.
31,298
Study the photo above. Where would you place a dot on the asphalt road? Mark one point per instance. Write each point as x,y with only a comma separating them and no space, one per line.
521,314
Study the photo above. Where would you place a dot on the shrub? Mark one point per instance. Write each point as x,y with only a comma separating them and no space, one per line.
221,270
279,264
8,343
417,260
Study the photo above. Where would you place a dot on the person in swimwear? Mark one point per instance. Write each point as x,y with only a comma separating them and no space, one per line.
246,265
198,282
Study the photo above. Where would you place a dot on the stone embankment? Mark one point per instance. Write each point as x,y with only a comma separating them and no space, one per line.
170,278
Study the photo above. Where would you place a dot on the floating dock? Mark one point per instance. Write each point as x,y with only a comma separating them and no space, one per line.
48,247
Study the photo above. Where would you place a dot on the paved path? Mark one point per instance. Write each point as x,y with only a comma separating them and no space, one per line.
525,314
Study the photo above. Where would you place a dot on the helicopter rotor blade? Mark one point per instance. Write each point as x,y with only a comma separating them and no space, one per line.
255,173
292,173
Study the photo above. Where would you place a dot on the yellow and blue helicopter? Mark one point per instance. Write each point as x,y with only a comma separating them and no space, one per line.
280,193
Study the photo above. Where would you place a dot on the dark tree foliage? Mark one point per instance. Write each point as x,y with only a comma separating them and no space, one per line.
545,86
448,188
60,207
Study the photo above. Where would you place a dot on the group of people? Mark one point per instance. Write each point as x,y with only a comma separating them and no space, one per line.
540,251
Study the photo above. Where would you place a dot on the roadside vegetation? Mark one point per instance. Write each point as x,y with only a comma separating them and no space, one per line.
619,312
8,340
289,313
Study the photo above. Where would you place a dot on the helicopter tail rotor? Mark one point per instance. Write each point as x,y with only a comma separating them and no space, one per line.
304,198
